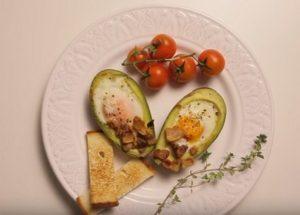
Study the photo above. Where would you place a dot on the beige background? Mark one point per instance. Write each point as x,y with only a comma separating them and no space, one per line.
33,34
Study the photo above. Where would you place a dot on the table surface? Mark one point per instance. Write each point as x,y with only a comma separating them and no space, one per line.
33,35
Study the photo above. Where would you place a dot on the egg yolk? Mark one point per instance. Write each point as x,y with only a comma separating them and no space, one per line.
190,126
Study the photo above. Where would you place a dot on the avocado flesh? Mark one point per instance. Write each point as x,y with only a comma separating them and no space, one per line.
109,132
199,95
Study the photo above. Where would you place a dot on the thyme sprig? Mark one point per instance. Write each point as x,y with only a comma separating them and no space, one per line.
213,175
127,63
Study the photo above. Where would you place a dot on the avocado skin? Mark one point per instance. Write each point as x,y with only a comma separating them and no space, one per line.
204,94
110,133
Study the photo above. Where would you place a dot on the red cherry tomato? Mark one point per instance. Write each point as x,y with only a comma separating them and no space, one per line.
138,54
212,62
156,75
183,69
164,46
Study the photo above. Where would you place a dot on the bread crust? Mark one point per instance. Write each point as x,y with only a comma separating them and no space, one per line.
101,171
104,205
84,204
92,132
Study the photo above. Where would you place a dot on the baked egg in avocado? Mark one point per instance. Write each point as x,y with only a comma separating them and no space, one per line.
190,128
121,110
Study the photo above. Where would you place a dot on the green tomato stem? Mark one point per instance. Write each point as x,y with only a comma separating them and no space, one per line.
126,63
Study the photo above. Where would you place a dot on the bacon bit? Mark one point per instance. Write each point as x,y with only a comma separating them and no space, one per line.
151,141
137,136
173,134
123,129
128,137
193,151
141,142
171,165
113,124
119,127
139,126
127,147
161,154
149,134
180,150
142,150
173,145
187,162
167,162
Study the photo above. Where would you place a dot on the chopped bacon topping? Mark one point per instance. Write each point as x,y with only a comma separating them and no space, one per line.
171,165
151,141
127,147
173,134
161,154
180,150
187,162
139,125
135,135
193,151
128,137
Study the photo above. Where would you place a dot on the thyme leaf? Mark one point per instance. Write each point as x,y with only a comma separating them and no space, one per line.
213,175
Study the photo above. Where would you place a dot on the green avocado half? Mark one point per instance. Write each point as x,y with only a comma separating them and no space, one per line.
103,80
198,96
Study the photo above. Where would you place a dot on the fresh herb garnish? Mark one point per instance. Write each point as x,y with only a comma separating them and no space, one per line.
212,175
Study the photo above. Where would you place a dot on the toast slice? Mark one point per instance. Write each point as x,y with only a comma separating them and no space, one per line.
101,171
107,186
131,175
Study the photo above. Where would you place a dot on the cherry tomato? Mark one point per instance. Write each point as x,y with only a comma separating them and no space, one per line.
164,46
183,69
138,54
156,75
212,62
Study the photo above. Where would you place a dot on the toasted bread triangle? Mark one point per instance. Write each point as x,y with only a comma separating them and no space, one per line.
101,171
107,186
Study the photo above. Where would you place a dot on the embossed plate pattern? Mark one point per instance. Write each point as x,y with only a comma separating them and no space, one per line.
66,117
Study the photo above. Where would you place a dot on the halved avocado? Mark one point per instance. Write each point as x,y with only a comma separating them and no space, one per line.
110,75
200,95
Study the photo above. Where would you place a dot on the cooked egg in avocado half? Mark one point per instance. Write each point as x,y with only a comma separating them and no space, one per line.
192,125
122,112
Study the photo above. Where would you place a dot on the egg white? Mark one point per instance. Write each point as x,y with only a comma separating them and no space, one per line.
112,89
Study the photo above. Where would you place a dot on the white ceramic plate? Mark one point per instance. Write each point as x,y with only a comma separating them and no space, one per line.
66,116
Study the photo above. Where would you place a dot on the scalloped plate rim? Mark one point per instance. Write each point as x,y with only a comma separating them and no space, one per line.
53,164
